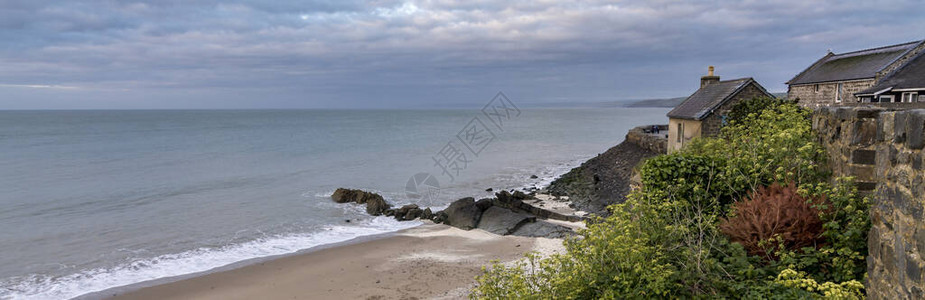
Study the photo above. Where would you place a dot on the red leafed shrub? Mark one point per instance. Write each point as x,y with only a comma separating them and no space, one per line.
773,216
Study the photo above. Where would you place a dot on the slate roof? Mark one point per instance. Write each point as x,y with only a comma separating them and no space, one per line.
700,104
852,65
909,76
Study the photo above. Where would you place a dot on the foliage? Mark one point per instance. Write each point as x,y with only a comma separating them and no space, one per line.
774,217
777,145
752,107
851,289
666,239
612,260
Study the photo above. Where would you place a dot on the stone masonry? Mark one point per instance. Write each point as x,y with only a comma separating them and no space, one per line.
825,96
883,149
712,124
644,138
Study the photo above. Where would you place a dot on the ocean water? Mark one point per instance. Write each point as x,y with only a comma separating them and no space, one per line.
91,200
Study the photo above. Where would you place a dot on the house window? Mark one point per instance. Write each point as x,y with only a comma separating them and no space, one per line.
838,93
886,98
910,97
816,88
680,131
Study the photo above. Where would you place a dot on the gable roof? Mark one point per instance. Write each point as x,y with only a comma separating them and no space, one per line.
700,104
852,65
909,76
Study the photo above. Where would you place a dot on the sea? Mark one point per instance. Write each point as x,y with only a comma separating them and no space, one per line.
94,200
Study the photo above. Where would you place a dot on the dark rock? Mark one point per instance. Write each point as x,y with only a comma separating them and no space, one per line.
864,157
408,212
915,129
463,214
483,204
534,177
503,221
343,195
376,206
520,195
427,214
614,170
489,189
543,229
348,221
440,217
913,270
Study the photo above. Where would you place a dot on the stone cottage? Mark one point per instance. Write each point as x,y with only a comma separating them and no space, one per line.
837,79
902,85
705,111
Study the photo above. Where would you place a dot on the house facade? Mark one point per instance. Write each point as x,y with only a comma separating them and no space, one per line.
705,112
838,79
905,85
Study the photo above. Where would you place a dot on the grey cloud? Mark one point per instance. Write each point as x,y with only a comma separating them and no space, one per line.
362,53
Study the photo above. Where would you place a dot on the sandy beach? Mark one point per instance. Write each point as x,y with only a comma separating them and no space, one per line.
425,262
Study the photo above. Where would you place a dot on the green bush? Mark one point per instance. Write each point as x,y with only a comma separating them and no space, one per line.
664,241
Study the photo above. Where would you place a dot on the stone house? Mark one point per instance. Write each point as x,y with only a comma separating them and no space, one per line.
705,111
902,85
838,79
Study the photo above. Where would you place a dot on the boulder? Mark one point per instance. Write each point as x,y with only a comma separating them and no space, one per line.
463,214
544,229
503,221
440,217
520,196
427,214
408,212
483,204
377,206
343,195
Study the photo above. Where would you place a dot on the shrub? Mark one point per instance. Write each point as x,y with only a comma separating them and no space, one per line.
753,107
667,239
774,217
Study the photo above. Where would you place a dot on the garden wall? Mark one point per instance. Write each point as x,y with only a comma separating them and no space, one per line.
882,148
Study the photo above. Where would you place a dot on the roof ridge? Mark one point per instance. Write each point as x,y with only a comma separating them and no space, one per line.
737,79
877,48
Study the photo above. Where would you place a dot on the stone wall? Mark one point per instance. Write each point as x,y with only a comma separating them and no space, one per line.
825,96
644,138
711,124
882,147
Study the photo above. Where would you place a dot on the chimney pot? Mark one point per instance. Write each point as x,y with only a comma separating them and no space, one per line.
709,79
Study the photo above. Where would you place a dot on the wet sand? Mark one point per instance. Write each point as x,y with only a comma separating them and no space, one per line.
425,262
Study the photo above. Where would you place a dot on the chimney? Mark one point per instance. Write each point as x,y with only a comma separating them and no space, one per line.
709,79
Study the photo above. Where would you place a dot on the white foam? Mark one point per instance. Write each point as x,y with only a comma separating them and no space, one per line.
194,261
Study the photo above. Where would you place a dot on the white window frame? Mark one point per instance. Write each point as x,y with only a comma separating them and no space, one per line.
890,97
909,97
838,88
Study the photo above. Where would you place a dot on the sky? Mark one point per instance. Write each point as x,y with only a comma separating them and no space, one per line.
195,54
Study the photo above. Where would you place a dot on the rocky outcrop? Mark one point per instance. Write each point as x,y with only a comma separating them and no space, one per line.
463,213
602,180
375,204
505,214
503,221
516,202
544,229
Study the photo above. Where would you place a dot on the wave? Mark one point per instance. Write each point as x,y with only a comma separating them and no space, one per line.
194,261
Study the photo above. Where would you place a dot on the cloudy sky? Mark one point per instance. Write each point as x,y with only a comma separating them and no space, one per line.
398,54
